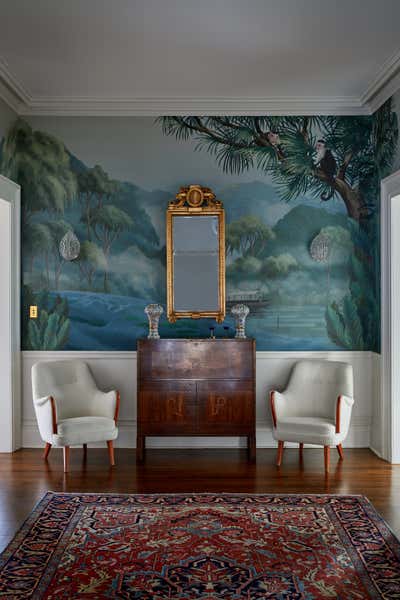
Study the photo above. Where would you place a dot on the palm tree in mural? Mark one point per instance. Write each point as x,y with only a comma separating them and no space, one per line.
41,165
108,222
326,157
91,259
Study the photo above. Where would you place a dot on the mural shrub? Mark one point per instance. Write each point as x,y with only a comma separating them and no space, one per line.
314,175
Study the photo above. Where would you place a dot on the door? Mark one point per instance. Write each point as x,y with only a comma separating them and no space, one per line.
10,422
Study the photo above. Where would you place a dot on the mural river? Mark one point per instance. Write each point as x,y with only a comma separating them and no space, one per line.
318,176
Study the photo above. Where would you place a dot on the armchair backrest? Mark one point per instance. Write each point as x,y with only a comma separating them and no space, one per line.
70,382
315,385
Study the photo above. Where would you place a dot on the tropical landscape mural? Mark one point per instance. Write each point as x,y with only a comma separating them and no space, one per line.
316,178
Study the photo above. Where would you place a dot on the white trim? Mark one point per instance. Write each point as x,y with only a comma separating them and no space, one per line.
390,320
118,370
385,84
23,102
341,355
11,90
10,192
94,106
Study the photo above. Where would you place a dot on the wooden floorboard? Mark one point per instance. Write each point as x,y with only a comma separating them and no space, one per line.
25,477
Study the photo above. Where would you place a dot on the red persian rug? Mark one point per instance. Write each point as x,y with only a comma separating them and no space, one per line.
203,547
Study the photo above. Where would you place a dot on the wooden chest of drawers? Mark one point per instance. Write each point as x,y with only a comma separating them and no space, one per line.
196,387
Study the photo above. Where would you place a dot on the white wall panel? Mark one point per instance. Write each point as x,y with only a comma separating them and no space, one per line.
118,370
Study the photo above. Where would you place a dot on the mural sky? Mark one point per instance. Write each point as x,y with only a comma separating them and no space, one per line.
283,181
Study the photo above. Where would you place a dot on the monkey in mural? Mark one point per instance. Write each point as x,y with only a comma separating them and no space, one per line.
275,141
326,162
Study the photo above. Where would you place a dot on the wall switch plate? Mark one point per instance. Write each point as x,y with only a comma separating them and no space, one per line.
33,311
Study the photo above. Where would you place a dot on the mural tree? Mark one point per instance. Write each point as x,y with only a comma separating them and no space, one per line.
108,223
94,186
39,243
40,164
248,236
326,157
57,230
279,266
91,259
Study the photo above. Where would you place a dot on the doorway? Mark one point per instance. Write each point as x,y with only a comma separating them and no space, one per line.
10,372
390,319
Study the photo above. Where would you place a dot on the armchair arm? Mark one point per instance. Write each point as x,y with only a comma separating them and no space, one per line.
109,403
344,405
277,402
46,414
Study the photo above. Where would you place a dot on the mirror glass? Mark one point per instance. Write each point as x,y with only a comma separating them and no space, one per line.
195,262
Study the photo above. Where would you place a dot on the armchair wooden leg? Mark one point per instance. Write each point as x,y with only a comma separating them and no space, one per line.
301,446
84,451
47,449
340,451
111,452
66,458
327,455
280,453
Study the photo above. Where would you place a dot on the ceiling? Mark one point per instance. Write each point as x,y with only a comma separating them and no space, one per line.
198,56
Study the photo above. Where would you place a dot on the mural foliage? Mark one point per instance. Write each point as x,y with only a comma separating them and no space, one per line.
318,176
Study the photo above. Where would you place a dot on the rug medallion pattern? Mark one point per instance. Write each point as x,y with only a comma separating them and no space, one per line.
203,547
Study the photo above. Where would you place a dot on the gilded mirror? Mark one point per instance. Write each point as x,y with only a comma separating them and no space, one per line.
195,255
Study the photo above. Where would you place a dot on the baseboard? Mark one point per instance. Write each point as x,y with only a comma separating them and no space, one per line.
378,454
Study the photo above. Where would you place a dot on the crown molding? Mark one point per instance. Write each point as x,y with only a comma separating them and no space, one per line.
12,91
94,106
22,102
385,84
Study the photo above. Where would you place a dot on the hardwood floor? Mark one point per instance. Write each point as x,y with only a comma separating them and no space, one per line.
25,477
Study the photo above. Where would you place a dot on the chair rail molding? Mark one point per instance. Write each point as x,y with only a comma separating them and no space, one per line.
117,369
389,418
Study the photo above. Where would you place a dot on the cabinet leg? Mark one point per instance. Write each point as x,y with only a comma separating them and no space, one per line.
251,446
140,447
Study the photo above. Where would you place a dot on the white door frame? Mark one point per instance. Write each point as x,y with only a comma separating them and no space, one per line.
390,318
10,413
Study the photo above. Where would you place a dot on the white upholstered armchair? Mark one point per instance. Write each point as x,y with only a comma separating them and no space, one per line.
315,407
70,409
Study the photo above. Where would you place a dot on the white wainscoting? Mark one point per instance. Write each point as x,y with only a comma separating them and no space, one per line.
118,370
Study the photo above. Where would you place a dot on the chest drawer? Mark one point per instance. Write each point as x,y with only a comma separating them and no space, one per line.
196,359
226,404
167,405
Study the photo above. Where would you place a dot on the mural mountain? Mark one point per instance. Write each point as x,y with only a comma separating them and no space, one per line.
317,176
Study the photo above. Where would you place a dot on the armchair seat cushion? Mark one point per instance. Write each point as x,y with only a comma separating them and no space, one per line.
82,430
311,430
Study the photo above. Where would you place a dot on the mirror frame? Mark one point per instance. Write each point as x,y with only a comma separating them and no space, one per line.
195,200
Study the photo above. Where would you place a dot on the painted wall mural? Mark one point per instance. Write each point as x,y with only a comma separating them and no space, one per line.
301,197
